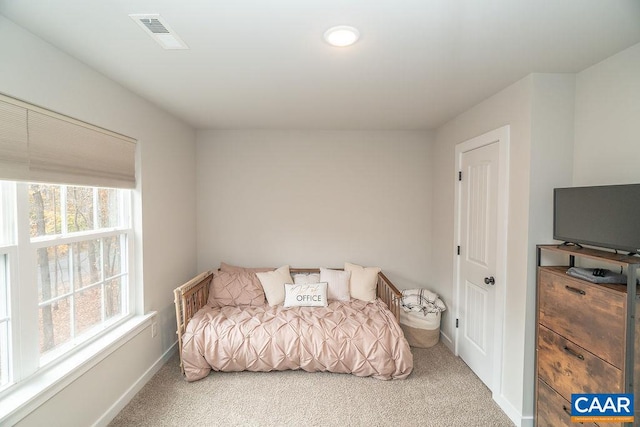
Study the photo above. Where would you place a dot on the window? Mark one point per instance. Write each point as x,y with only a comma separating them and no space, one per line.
5,335
73,246
7,252
65,250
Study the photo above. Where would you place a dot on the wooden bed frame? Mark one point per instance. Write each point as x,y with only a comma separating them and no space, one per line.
193,295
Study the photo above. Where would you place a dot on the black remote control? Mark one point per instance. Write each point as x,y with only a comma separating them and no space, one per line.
600,272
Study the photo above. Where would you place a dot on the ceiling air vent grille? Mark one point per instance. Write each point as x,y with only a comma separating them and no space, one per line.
155,26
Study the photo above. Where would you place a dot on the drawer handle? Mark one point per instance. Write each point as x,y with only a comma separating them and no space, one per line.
576,290
573,353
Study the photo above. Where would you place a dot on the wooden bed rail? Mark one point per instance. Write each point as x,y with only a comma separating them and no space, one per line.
389,294
188,299
193,295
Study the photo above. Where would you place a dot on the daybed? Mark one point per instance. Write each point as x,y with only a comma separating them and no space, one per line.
353,336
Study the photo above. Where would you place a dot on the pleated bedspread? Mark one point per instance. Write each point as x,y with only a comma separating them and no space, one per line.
354,337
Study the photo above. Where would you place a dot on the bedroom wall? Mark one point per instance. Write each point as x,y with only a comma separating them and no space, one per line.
539,111
511,106
607,125
551,165
34,71
316,198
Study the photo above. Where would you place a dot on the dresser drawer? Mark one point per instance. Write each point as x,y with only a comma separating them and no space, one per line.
592,315
569,368
553,410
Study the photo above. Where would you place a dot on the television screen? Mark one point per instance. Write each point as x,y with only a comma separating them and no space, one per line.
604,216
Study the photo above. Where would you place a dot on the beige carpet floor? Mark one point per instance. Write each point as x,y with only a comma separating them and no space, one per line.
441,391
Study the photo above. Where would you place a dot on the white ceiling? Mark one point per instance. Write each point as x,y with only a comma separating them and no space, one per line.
263,64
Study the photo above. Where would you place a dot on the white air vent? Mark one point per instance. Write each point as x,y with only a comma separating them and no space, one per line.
154,25
158,29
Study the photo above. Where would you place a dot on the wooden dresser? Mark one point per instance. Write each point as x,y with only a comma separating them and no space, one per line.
585,334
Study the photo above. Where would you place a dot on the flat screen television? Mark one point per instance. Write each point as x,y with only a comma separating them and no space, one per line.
605,216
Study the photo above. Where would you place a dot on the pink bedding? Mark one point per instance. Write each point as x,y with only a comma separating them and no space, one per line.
356,337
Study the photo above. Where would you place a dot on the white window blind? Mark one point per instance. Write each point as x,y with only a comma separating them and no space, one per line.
14,153
42,146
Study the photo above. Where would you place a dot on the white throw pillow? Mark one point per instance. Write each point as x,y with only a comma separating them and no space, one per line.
364,281
305,295
337,283
302,278
273,284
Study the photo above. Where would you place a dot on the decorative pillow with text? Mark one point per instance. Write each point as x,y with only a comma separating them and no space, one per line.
305,295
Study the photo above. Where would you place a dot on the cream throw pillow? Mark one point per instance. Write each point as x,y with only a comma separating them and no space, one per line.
305,295
364,281
302,278
337,283
273,284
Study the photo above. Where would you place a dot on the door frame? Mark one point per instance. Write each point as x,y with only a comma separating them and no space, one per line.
501,136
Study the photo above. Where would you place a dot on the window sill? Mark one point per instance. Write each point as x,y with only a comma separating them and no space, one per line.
26,396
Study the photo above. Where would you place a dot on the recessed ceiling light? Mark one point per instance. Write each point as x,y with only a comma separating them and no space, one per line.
157,28
341,36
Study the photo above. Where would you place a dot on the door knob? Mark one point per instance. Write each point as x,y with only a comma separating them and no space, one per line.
490,280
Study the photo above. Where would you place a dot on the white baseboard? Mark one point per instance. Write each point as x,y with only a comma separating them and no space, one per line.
527,422
447,341
516,416
119,405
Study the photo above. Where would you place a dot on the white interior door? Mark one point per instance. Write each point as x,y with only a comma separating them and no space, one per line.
478,213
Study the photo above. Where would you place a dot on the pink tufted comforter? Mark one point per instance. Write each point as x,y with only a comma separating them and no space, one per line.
353,337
